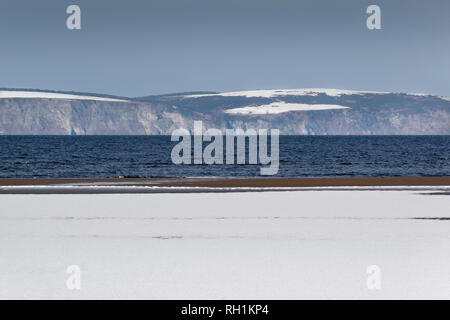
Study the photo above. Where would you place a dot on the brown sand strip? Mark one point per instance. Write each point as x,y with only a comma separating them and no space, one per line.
45,182
318,182
248,182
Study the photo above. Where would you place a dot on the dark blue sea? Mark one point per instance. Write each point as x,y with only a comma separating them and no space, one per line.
149,156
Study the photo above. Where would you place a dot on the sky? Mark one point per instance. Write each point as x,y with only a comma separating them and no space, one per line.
142,47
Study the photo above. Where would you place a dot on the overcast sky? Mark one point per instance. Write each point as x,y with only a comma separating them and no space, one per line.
142,47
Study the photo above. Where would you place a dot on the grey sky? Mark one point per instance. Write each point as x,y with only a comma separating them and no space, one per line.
137,47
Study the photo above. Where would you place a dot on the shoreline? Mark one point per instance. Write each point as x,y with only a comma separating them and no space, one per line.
207,182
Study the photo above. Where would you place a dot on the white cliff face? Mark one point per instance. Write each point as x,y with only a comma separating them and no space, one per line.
300,111
79,117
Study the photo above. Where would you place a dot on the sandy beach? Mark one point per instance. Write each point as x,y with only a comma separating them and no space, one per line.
238,182
214,238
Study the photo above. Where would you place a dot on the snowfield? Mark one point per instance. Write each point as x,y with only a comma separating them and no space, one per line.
285,92
297,92
282,107
258,245
6,94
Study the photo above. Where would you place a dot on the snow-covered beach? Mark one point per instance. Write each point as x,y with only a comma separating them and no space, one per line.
253,245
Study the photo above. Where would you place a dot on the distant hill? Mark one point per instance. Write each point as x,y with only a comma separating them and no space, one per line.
296,111
99,95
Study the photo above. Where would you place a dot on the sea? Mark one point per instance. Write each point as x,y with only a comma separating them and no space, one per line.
150,156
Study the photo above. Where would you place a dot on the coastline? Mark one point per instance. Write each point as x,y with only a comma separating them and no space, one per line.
218,182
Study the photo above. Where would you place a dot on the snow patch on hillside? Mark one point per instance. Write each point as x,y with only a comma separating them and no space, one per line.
286,92
6,94
281,107
313,92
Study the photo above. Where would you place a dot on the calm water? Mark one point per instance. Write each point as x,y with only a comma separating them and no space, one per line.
300,156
